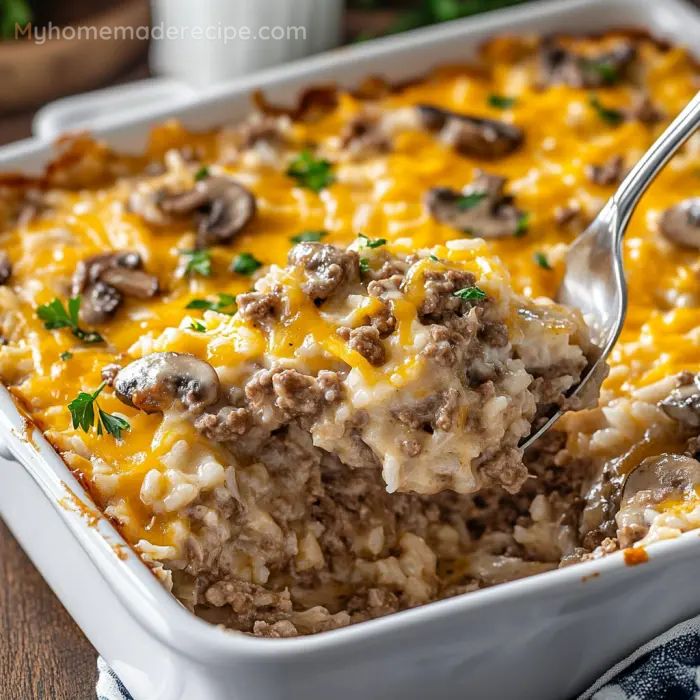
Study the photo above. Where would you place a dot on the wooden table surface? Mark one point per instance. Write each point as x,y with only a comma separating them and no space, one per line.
43,654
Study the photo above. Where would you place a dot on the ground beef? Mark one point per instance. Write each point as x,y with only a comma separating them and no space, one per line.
433,413
440,301
325,268
224,425
494,334
385,288
505,468
367,341
384,321
292,392
259,308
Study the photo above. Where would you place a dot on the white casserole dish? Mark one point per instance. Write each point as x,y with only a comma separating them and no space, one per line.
545,637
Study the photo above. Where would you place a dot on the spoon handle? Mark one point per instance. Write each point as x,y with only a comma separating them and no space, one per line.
642,175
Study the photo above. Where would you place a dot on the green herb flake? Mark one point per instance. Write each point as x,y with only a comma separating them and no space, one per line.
541,259
313,173
434,258
55,316
309,236
198,327
501,101
197,261
471,294
222,306
66,355
82,411
602,68
202,173
245,264
371,243
523,225
469,201
611,116
364,266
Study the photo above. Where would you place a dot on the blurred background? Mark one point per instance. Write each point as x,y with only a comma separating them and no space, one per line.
53,48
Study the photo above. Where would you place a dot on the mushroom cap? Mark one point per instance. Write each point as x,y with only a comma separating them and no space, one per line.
680,223
668,473
559,64
223,205
481,208
683,404
232,207
131,283
91,269
5,267
155,382
471,136
99,302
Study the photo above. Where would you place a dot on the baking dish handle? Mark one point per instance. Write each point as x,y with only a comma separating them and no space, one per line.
106,107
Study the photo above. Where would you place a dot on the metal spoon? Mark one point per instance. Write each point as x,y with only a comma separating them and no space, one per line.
594,281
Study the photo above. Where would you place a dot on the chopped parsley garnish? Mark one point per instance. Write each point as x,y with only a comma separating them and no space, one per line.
197,261
468,201
202,173
308,236
221,306
364,265
604,69
313,173
471,294
82,411
434,258
607,114
245,264
501,101
66,355
541,260
523,224
198,326
371,242
55,316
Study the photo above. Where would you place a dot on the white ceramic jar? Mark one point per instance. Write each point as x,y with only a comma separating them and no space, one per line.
211,41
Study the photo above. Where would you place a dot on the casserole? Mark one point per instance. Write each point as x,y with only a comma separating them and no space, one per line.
477,684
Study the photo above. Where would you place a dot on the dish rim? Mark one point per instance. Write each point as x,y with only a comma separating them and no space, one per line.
132,582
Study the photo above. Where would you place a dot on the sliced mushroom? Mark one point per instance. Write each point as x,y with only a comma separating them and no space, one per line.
157,381
364,136
608,173
222,206
481,208
132,283
560,65
644,110
680,224
103,279
98,303
471,136
5,267
262,128
91,269
666,475
683,403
